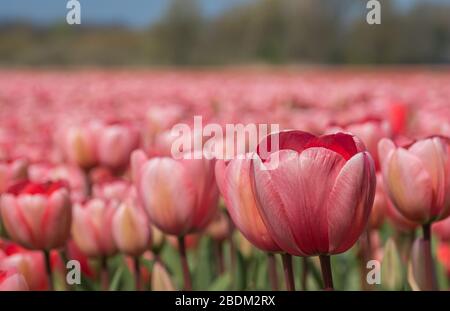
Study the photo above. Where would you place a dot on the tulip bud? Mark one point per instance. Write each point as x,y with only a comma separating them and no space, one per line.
161,280
180,196
37,216
131,228
416,178
79,145
392,272
92,227
116,141
219,228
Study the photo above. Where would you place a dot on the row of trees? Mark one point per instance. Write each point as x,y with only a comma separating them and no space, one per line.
261,31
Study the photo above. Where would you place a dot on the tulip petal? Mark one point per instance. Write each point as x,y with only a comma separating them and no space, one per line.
350,202
235,184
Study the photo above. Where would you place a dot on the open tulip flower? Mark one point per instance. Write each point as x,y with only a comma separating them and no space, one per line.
317,200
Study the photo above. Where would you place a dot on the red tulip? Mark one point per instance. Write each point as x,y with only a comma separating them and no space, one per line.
317,200
417,178
180,196
116,141
235,184
11,280
37,216
92,227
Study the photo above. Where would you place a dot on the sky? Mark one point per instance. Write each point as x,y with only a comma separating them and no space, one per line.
132,13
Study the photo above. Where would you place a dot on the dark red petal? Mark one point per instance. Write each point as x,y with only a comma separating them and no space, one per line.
293,140
341,143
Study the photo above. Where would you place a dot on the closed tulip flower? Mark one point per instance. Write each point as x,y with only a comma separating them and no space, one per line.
131,228
116,141
92,227
417,178
180,196
79,145
37,215
11,280
318,199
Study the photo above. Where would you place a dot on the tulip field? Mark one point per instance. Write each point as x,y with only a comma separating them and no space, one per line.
93,198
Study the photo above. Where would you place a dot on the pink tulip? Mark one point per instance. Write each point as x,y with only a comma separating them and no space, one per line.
92,227
317,200
180,196
116,141
79,145
37,216
112,190
417,178
30,264
235,184
131,228
11,280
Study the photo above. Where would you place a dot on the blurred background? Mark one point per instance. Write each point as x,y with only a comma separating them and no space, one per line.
223,32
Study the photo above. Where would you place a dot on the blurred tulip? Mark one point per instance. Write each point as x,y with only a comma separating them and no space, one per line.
442,230
113,190
235,184
11,280
37,216
115,142
12,172
378,214
30,264
79,145
443,255
131,228
370,131
158,239
392,268
219,228
74,176
180,196
161,280
92,227
417,178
